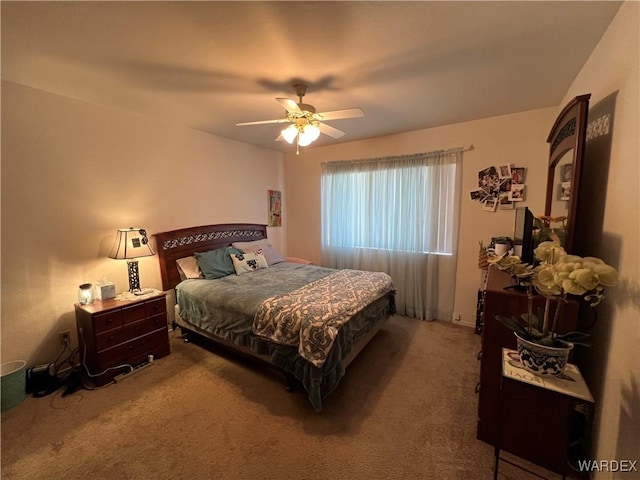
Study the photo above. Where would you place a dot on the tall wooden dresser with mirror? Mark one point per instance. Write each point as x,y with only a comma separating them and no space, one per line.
566,147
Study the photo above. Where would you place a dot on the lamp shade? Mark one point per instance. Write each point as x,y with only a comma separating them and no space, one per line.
131,243
308,134
290,133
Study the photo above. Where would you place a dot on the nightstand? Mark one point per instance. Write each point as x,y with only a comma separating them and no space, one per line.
544,420
116,335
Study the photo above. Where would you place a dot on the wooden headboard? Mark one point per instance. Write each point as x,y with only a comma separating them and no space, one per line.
177,244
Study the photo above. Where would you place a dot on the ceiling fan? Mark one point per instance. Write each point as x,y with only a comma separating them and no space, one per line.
305,124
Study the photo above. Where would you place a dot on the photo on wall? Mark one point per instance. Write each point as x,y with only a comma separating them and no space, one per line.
517,193
518,174
499,186
490,205
504,171
504,203
275,208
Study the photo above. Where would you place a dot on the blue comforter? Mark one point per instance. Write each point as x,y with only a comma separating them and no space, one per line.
226,308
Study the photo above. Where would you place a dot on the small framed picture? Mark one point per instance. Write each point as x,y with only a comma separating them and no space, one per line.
517,174
490,205
275,208
504,171
504,203
488,178
505,185
477,194
566,172
565,190
517,193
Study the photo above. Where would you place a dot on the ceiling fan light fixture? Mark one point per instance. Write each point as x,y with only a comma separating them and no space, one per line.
290,133
308,134
305,123
313,131
304,140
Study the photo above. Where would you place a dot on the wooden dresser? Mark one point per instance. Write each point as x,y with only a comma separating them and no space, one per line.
115,335
506,302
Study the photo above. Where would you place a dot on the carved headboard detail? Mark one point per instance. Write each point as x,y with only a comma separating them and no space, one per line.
177,244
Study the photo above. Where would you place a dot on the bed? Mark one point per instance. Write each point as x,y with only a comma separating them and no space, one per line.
277,315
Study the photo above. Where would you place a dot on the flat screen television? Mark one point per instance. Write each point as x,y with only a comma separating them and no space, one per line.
523,232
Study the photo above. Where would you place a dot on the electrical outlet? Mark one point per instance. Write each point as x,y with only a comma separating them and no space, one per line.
65,337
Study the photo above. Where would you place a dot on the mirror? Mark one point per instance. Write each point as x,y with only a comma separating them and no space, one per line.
566,150
562,175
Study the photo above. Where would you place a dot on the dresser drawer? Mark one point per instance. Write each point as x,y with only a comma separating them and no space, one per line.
141,346
159,321
107,321
133,313
155,307
139,328
110,338
110,357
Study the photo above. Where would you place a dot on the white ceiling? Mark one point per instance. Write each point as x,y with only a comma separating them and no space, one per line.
208,65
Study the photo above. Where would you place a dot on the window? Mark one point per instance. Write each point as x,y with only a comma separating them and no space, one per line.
392,214
405,205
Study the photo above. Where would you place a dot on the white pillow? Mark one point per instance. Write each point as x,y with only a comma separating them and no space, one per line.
272,255
248,262
188,268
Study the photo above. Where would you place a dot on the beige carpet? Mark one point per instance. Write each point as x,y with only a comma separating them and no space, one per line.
405,410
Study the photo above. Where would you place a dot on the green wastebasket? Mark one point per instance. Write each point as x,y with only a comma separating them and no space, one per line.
12,384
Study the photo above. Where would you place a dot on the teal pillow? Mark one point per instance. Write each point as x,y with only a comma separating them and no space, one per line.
216,263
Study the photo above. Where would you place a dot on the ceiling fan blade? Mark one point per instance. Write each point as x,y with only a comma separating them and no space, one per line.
329,130
338,114
262,122
289,105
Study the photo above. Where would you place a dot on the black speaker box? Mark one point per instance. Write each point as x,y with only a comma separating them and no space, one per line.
41,380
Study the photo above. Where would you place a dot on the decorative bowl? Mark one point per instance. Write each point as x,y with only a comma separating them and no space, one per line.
542,360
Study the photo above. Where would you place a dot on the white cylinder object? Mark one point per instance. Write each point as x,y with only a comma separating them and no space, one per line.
501,248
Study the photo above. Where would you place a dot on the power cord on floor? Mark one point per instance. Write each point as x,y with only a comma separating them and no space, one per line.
84,361
73,379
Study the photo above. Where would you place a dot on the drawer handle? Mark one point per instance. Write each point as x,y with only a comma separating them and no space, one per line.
477,388
479,356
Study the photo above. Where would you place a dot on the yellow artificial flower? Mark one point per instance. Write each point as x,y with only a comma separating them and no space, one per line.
559,275
545,281
549,252
607,275
585,277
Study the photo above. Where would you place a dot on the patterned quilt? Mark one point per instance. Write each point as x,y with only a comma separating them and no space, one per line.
311,316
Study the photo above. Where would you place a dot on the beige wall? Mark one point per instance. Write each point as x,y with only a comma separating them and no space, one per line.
73,172
613,363
518,138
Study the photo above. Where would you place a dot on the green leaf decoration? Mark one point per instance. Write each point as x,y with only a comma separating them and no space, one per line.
512,324
577,338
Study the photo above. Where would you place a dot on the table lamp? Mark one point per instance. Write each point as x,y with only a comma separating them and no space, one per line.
131,243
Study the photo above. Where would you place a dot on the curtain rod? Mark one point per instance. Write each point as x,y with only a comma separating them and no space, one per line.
460,149
364,160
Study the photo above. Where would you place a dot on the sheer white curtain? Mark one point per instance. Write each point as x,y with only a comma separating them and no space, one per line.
397,215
